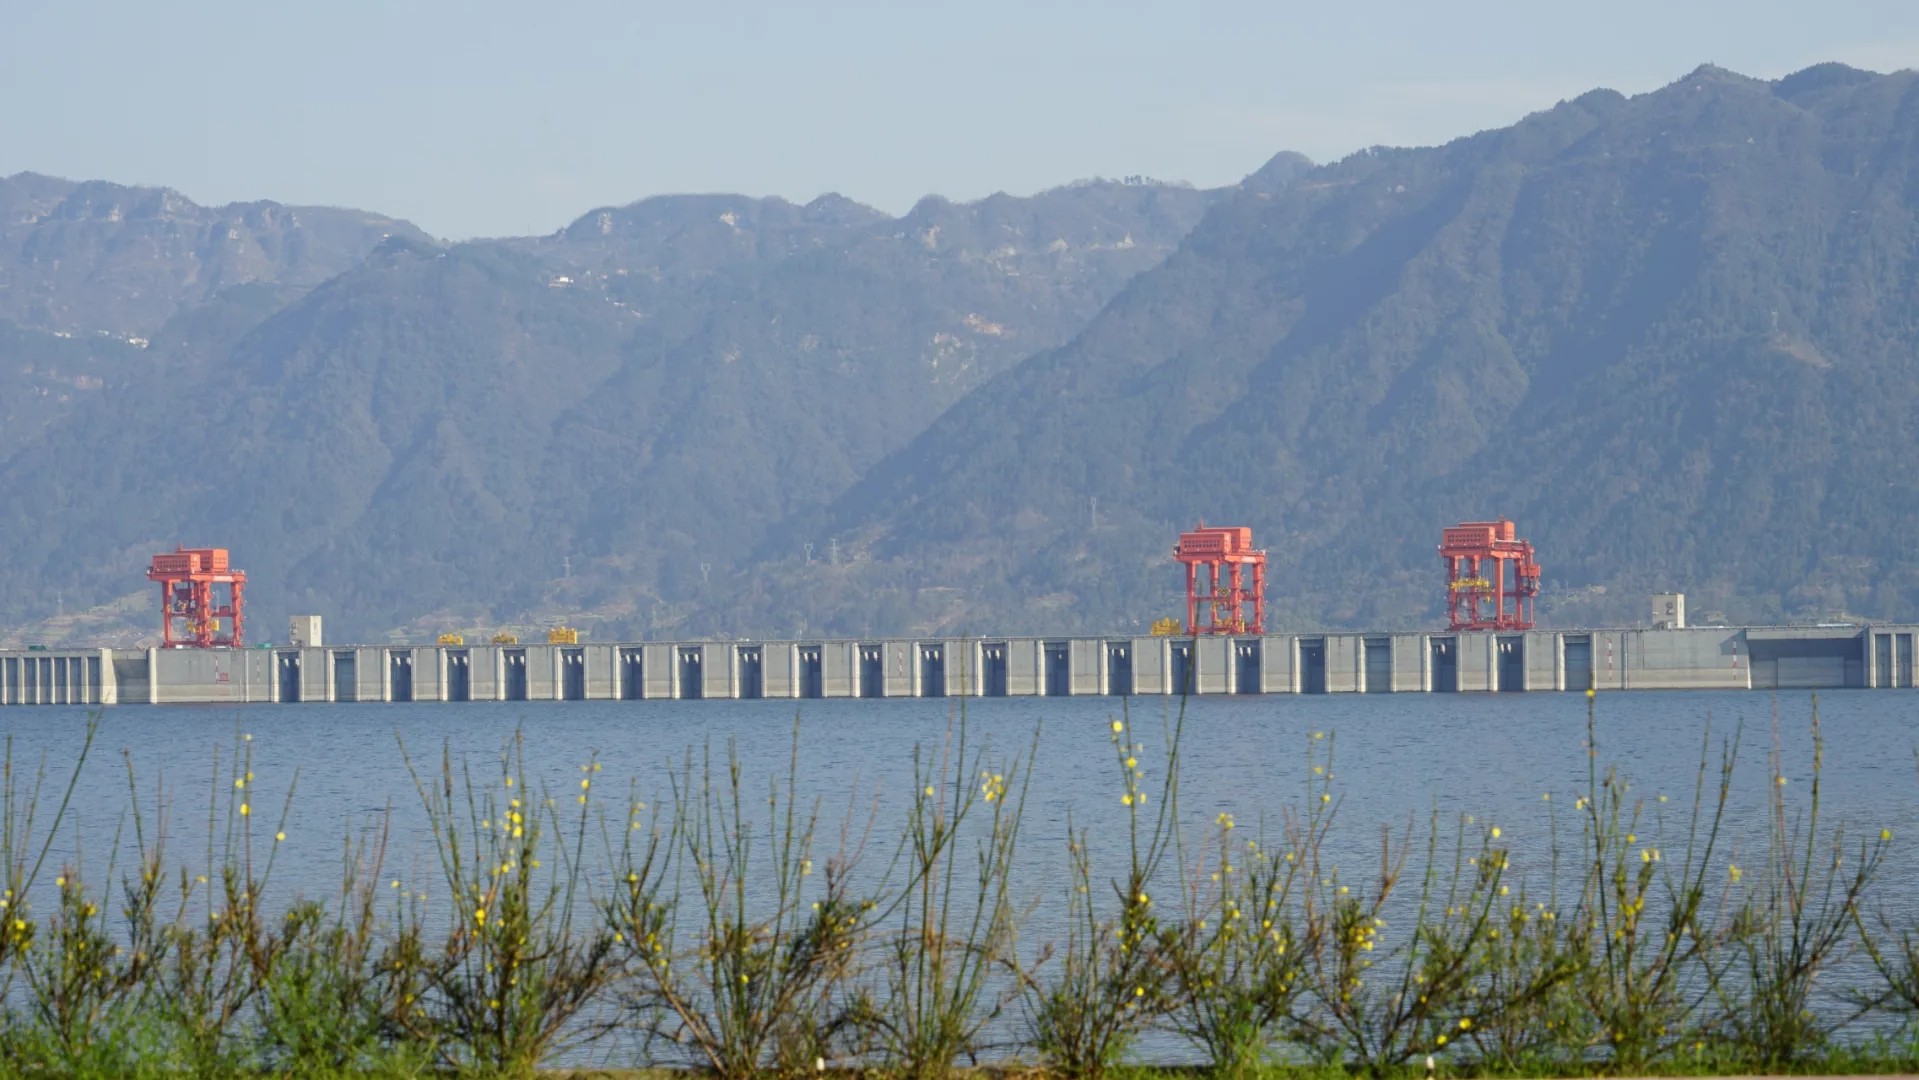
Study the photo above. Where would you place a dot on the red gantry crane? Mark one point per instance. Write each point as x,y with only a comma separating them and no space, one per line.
1476,554
1214,606
193,615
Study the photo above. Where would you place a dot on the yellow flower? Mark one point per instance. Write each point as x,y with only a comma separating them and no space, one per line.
277,837
1735,873
1495,832
1442,1038
239,783
1885,834
1126,800
1117,726
245,809
479,915
1465,1023
1132,762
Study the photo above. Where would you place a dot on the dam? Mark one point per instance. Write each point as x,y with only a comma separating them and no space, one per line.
1700,657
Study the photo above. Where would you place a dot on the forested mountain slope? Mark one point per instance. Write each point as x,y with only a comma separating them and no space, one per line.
596,425
1673,336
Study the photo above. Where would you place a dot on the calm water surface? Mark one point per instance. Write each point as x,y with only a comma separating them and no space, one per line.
1396,757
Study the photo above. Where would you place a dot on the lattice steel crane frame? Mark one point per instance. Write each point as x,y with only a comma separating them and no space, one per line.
1213,606
1466,550
192,614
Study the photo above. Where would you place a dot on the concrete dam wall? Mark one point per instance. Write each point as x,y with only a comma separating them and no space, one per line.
1703,658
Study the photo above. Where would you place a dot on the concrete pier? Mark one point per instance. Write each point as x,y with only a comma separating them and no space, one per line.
1704,658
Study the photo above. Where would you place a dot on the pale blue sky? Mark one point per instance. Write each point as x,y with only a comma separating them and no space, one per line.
489,117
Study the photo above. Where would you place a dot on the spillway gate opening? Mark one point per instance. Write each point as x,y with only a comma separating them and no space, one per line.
932,671
1312,665
752,661
632,674
1119,668
692,673
399,674
993,677
459,675
1443,654
514,661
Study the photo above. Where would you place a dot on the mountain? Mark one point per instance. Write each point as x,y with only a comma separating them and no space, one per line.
599,423
1672,336
44,376
87,257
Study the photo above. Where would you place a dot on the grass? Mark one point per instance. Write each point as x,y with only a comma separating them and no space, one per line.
735,929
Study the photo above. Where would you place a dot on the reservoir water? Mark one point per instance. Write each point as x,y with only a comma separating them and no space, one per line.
1396,759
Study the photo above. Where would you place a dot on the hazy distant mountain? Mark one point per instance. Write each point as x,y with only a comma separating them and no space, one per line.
601,422
84,257
1673,336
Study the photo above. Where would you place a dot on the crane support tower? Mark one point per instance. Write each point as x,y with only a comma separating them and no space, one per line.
1216,603
202,599
1476,554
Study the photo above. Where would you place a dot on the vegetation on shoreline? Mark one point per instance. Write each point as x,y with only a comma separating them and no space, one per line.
730,928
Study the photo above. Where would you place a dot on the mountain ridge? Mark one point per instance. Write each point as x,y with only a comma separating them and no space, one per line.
633,397
1670,334
1371,356
87,256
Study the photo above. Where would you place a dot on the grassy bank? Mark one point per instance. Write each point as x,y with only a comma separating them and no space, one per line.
726,924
